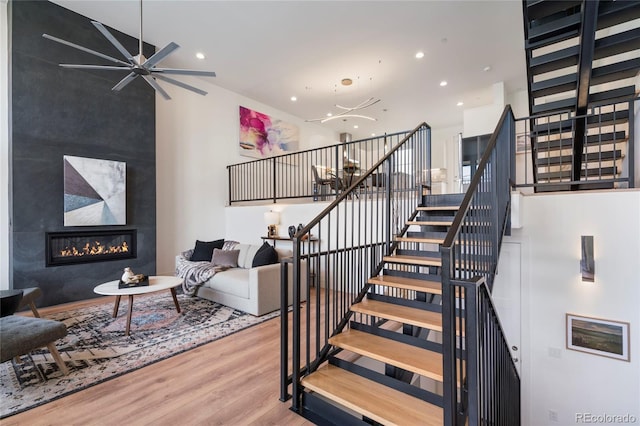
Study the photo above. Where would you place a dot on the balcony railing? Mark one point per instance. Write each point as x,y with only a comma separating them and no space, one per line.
545,145
289,176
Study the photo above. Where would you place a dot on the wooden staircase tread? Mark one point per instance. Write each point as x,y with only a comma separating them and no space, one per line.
371,399
403,314
420,361
420,240
437,208
433,287
429,222
413,260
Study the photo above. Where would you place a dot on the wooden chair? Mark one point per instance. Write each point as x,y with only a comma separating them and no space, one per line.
29,296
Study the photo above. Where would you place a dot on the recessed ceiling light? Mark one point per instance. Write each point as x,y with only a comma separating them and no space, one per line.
200,55
460,103
419,55
486,69
329,114
443,83
293,99
355,126
373,134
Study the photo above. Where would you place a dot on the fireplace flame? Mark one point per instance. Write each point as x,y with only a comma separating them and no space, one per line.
94,249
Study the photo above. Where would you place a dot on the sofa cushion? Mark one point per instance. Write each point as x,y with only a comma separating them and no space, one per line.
266,255
227,258
247,252
203,252
232,281
229,245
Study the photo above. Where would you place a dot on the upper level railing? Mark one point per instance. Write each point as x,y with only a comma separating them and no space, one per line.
475,355
355,231
290,176
545,149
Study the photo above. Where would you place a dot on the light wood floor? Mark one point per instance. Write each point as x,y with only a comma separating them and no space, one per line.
232,381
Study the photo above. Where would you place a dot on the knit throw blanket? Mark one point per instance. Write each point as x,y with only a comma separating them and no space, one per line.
194,273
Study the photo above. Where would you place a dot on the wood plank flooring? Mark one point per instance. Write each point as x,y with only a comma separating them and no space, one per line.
232,381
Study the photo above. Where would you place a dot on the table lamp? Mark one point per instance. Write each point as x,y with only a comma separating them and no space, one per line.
272,220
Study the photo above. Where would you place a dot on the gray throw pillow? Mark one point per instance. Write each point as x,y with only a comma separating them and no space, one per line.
228,258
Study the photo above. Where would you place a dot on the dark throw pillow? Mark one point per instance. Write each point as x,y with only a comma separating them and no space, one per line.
266,255
228,258
203,252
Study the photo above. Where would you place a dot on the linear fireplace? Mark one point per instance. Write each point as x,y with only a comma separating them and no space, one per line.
66,248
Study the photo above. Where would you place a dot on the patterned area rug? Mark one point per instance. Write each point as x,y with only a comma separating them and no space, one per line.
96,349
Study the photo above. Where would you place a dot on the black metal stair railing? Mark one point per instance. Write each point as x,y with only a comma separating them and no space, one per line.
354,233
472,358
288,176
547,144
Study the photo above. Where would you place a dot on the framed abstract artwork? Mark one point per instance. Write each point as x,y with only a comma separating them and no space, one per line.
263,136
598,336
95,192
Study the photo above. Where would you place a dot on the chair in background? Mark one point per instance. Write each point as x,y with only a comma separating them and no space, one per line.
28,298
20,335
324,177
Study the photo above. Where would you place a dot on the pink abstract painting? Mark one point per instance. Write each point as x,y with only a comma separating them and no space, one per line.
263,136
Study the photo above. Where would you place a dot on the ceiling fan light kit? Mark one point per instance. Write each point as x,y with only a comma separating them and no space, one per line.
138,65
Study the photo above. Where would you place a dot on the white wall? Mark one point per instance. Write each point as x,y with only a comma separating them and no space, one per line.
246,224
483,120
197,137
444,153
4,147
519,102
637,138
554,378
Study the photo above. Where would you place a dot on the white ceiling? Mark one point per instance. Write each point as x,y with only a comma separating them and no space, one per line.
272,50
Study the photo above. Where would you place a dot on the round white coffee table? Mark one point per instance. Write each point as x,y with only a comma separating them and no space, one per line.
155,284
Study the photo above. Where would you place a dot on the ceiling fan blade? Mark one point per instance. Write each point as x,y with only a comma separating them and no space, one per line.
183,72
95,67
113,40
160,55
156,86
180,84
128,79
84,49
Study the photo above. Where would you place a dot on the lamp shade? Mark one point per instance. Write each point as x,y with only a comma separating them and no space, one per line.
272,218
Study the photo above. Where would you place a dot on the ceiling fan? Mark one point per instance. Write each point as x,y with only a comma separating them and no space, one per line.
138,65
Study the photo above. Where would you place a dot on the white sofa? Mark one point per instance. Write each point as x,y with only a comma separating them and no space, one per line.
253,290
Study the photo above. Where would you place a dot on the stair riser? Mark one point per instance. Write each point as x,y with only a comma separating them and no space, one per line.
398,337
442,200
407,274
408,302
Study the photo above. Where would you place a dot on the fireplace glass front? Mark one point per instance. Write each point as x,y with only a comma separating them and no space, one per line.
65,248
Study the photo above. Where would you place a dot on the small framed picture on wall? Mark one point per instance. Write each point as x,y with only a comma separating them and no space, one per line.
598,336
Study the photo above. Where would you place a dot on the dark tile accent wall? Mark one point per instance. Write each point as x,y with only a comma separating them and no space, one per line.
56,112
